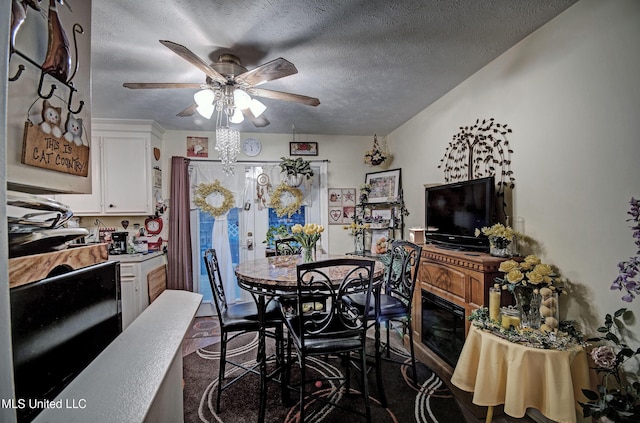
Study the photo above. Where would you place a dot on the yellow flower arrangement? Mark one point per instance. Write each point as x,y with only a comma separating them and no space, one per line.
202,191
288,209
356,228
530,273
307,235
500,236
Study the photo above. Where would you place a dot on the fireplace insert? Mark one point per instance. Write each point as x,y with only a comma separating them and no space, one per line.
442,327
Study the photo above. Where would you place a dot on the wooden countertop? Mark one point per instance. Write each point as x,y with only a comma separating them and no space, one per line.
26,269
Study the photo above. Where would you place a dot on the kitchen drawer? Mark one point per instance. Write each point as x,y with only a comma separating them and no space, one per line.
127,270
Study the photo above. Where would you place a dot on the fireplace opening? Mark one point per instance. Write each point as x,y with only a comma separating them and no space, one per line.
442,327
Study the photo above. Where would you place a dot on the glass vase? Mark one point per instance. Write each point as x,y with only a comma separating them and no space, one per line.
549,311
500,247
308,254
528,303
358,239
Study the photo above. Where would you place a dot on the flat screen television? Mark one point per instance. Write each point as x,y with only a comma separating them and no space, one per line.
454,211
59,325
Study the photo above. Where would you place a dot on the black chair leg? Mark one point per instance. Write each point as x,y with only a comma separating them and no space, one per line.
223,361
365,385
413,355
378,364
302,393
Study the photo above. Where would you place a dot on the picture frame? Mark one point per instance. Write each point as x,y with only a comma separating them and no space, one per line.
303,148
342,202
157,178
385,186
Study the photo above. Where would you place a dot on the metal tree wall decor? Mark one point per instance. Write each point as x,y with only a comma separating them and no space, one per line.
478,151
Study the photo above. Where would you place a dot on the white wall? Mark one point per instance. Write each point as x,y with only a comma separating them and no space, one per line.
344,153
24,102
570,93
6,363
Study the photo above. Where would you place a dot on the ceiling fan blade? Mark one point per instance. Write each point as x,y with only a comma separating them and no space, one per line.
150,85
259,122
191,57
189,111
275,69
279,95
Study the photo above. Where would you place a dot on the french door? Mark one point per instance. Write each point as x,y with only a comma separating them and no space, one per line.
248,226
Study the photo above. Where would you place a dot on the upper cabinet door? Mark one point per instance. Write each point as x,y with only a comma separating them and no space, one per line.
126,168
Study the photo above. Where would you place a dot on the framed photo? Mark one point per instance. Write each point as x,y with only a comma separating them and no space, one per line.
303,148
157,178
379,241
197,147
342,205
382,214
385,185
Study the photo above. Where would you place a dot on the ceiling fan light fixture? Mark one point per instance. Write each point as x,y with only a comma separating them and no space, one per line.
241,99
256,107
205,110
204,97
237,116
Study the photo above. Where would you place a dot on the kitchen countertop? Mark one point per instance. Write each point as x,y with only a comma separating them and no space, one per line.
134,258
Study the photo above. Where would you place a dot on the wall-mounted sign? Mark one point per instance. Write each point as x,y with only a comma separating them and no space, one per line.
47,151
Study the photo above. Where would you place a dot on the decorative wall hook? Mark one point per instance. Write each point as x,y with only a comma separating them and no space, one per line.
75,112
18,73
53,88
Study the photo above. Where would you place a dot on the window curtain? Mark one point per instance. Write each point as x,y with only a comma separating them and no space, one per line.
206,173
179,261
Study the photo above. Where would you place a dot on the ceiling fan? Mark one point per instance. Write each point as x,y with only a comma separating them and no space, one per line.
229,85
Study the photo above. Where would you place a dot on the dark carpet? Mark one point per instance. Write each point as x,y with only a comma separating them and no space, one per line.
430,401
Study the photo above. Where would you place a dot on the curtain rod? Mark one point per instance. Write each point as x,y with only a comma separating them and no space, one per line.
248,161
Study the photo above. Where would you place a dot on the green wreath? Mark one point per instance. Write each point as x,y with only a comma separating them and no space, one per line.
289,209
204,190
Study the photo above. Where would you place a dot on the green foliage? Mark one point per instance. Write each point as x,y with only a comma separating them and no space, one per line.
296,166
275,232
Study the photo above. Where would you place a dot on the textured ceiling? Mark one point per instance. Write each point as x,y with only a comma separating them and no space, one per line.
374,64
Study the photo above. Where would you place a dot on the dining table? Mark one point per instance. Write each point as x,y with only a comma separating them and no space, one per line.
271,277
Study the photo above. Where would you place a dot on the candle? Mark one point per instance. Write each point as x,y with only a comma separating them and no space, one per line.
510,317
494,303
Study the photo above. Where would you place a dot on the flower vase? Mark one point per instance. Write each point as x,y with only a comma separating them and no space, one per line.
308,254
500,247
358,238
528,302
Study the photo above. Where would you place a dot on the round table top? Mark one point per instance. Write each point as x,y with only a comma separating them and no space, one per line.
278,273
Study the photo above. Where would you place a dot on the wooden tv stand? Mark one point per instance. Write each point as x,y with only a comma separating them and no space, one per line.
462,278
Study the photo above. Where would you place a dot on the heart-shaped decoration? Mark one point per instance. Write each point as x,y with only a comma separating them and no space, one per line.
335,215
125,224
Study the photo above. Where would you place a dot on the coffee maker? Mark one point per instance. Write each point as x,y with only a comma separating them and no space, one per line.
119,243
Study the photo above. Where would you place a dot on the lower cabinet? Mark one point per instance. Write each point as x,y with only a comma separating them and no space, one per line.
134,289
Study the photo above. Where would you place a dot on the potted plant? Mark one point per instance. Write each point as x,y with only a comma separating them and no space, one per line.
617,398
275,232
295,169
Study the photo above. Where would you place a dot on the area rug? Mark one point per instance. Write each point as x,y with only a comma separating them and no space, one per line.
428,401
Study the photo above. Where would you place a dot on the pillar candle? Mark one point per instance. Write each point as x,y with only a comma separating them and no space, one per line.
494,303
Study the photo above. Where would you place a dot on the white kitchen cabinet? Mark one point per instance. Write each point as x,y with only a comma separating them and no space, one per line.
134,269
122,169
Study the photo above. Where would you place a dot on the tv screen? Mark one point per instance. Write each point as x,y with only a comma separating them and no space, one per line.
454,211
59,325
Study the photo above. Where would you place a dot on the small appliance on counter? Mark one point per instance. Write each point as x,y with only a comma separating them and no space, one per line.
118,243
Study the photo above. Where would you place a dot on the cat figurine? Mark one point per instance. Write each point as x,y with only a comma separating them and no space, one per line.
51,119
74,130
58,60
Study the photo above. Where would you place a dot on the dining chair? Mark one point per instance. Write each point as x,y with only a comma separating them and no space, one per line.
238,319
320,324
392,302
287,247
